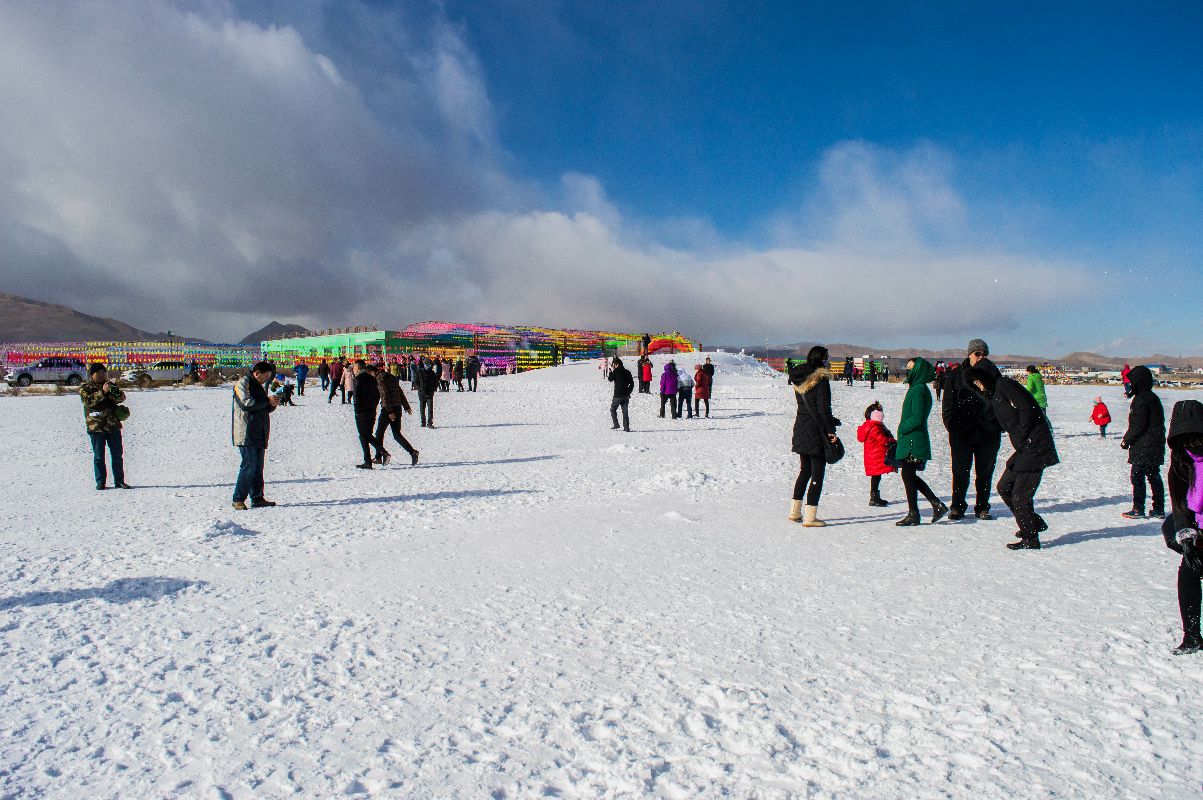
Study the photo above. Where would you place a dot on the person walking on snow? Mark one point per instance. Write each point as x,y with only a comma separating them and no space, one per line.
1022,418
871,373
103,414
250,427
1181,529
1145,443
849,371
1124,376
336,381
624,384
974,436
877,440
1101,416
814,425
393,405
914,446
701,387
364,400
645,375
684,393
668,390
323,374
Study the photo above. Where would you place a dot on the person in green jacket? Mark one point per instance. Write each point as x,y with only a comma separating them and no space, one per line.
1035,387
913,450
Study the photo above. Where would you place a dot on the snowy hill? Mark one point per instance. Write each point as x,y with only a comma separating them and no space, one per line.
546,607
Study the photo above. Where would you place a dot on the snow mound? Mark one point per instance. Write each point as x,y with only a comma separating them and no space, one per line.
680,479
625,448
224,527
677,516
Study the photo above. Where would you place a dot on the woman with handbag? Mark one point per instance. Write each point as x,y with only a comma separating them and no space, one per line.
913,450
814,438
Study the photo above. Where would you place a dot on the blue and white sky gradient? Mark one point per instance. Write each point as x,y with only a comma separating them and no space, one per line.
887,174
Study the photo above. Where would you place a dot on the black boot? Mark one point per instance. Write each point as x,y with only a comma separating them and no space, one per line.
938,510
1190,644
956,514
910,520
1029,543
875,500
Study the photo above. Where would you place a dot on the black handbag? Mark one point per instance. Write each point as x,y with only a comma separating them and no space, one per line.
832,451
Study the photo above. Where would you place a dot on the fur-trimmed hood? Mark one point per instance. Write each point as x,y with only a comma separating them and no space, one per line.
811,380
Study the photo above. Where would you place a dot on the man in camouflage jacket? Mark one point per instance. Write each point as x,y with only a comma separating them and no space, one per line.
101,398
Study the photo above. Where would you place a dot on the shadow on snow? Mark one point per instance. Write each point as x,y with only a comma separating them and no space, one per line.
465,494
123,590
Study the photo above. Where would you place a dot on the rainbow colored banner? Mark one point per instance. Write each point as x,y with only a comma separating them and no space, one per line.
123,355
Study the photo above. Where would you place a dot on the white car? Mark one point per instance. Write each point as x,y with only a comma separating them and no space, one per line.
70,371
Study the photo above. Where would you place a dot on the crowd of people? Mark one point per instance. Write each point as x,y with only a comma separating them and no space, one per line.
977,405
682,392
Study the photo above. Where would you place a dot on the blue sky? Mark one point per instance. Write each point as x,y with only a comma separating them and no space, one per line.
873,173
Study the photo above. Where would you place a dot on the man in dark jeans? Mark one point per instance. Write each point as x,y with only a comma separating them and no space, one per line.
393,404
473,372
250,423
365,396
102,403
974,435
624,384
336,381
428,384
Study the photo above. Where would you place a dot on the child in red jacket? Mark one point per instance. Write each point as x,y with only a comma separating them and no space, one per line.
1101,416
877,440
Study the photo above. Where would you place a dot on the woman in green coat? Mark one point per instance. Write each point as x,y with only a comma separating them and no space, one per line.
914,446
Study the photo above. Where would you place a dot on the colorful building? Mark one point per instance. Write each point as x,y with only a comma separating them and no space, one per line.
498,347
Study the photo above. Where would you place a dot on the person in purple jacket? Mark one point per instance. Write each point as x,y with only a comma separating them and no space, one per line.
668,389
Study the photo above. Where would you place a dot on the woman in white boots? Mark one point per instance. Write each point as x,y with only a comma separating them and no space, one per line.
813,425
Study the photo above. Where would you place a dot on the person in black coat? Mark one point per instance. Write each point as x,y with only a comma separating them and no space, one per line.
364,400
974,436
849,369
1021,417
624,384
814,425
428,384
1182,528
1145,443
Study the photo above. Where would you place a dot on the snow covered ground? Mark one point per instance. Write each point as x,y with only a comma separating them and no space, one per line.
546,607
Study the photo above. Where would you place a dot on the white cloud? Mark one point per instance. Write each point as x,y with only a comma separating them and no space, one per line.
199,171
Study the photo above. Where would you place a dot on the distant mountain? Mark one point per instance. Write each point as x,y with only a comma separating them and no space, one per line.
26,320
1095,361
273,330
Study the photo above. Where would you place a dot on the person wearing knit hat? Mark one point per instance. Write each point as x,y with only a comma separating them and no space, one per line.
974,435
